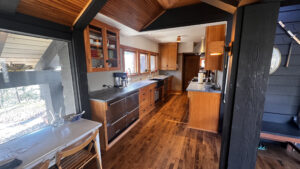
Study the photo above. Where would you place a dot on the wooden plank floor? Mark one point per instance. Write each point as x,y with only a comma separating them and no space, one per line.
162,140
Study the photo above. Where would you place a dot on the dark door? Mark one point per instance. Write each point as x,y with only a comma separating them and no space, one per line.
190,69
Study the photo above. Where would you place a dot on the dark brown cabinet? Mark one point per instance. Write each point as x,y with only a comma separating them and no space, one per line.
116,116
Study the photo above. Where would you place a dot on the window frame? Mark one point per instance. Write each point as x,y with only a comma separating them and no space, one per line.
147,59
156,61
137,59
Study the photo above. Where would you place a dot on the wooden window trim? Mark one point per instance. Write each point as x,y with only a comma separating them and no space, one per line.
147,58
137,58
156,61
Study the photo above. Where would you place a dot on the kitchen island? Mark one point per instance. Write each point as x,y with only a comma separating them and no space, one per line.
204,105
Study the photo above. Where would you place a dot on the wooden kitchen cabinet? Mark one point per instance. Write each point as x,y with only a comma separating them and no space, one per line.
102,47
204,110
147,99
214,52
168,56
118,116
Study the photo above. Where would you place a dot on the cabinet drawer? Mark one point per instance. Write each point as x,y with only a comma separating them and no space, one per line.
143,111
132,101
132,116
115,110
143,95
114,129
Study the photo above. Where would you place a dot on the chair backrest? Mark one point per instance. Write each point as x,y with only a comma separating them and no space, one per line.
42,165
76,147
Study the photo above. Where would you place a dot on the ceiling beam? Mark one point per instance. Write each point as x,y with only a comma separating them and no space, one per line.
247,2
88,13
221,5
162,12
188,15
9,6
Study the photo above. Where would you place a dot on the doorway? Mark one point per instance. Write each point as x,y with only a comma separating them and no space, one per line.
190,69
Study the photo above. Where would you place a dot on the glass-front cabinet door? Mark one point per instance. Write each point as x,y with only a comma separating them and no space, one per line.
94,49
112,50
102,47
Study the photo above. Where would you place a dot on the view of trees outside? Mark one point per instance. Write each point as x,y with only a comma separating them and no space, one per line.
22,111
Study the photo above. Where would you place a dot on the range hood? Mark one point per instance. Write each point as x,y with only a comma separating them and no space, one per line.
199,47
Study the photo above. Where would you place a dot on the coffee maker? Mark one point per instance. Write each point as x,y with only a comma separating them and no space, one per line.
120,79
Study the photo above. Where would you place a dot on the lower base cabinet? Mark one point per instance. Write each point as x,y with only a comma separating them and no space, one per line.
147,99
117,117
204,110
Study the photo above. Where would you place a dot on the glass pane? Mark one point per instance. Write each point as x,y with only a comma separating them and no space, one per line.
143,63
152,62
112,49
130,62
35,84
96,43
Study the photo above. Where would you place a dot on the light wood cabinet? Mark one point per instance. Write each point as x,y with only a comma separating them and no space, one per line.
204,110
102,47
214,52
168,56
147,99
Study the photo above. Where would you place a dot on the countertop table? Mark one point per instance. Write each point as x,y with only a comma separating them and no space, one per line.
109,94
44,144
201,87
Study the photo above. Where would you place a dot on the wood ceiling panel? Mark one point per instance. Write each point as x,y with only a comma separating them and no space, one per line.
167,4
133,13
59,11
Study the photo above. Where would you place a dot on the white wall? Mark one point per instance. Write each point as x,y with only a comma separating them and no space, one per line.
139,42
186,47
97,79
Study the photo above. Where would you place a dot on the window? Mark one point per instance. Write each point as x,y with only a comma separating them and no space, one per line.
36,86
130,62
153,63
143,63
138,61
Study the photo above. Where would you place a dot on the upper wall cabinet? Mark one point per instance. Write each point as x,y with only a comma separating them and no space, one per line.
168,56
102,46
214,52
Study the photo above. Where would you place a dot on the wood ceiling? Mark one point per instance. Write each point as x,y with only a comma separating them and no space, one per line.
168,4
60,11
138,14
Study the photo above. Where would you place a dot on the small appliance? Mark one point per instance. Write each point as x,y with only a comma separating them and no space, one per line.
120,79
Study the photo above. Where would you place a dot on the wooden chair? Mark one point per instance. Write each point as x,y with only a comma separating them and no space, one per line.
76,156
43,165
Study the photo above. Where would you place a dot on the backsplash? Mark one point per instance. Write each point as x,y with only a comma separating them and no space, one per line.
97,79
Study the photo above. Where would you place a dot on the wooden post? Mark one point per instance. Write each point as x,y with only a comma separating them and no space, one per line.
254,32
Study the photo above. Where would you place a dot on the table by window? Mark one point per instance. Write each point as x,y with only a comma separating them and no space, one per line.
44,144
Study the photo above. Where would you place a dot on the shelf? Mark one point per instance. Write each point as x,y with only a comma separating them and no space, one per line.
94,30
114,59
98,58
96,46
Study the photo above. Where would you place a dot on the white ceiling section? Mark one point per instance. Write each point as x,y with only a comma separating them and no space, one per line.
192,33
19,49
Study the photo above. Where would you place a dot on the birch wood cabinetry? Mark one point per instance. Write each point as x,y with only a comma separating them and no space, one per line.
168,56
